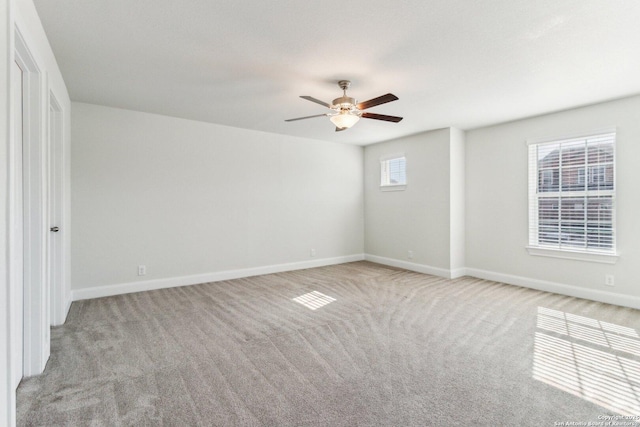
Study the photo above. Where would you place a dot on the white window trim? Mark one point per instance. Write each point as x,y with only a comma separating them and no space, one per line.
604,258
586,254
391,156
393,187
575,135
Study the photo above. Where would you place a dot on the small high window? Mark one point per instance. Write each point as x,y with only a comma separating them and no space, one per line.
393,172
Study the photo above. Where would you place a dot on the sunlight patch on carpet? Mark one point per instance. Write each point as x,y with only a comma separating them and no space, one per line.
314,300
596,361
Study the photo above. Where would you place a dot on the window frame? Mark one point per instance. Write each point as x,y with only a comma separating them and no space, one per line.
385,160
537,248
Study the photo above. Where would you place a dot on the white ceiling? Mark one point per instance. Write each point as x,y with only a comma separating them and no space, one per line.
240,63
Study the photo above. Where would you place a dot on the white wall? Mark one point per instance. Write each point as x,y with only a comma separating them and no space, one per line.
496,204
188,198
418,218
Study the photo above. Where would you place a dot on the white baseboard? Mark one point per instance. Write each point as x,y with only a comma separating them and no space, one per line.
149,285
558,288
527,282
68,307
458,272
420,268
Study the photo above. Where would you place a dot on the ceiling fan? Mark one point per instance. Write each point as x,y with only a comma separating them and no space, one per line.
347,111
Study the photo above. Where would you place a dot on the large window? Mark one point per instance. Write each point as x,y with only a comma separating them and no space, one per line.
572,194
393,172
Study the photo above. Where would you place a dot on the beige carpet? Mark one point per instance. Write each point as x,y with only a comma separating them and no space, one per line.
347,345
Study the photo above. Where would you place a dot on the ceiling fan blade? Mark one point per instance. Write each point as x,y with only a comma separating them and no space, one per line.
306,117
317,101
340,129
386,118
377,101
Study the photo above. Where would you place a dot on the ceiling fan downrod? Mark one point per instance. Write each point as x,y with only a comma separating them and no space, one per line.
344,102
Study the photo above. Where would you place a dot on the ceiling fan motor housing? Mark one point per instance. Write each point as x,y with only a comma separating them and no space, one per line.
344,103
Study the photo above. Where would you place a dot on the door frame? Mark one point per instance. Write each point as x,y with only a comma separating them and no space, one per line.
35,183
15,229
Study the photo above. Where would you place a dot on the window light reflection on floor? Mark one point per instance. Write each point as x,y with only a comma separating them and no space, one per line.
594,360
314,300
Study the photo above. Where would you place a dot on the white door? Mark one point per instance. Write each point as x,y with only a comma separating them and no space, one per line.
16,232
56,292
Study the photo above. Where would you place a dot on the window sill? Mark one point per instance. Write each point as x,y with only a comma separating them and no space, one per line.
393,187
573,255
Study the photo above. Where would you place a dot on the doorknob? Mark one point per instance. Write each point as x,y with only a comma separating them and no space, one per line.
55,229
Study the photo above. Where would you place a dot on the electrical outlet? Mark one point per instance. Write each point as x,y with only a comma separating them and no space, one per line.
609,280
410,254
312,252
142,270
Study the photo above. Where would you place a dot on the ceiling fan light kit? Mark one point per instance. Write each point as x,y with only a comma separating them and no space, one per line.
344,119
346,111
